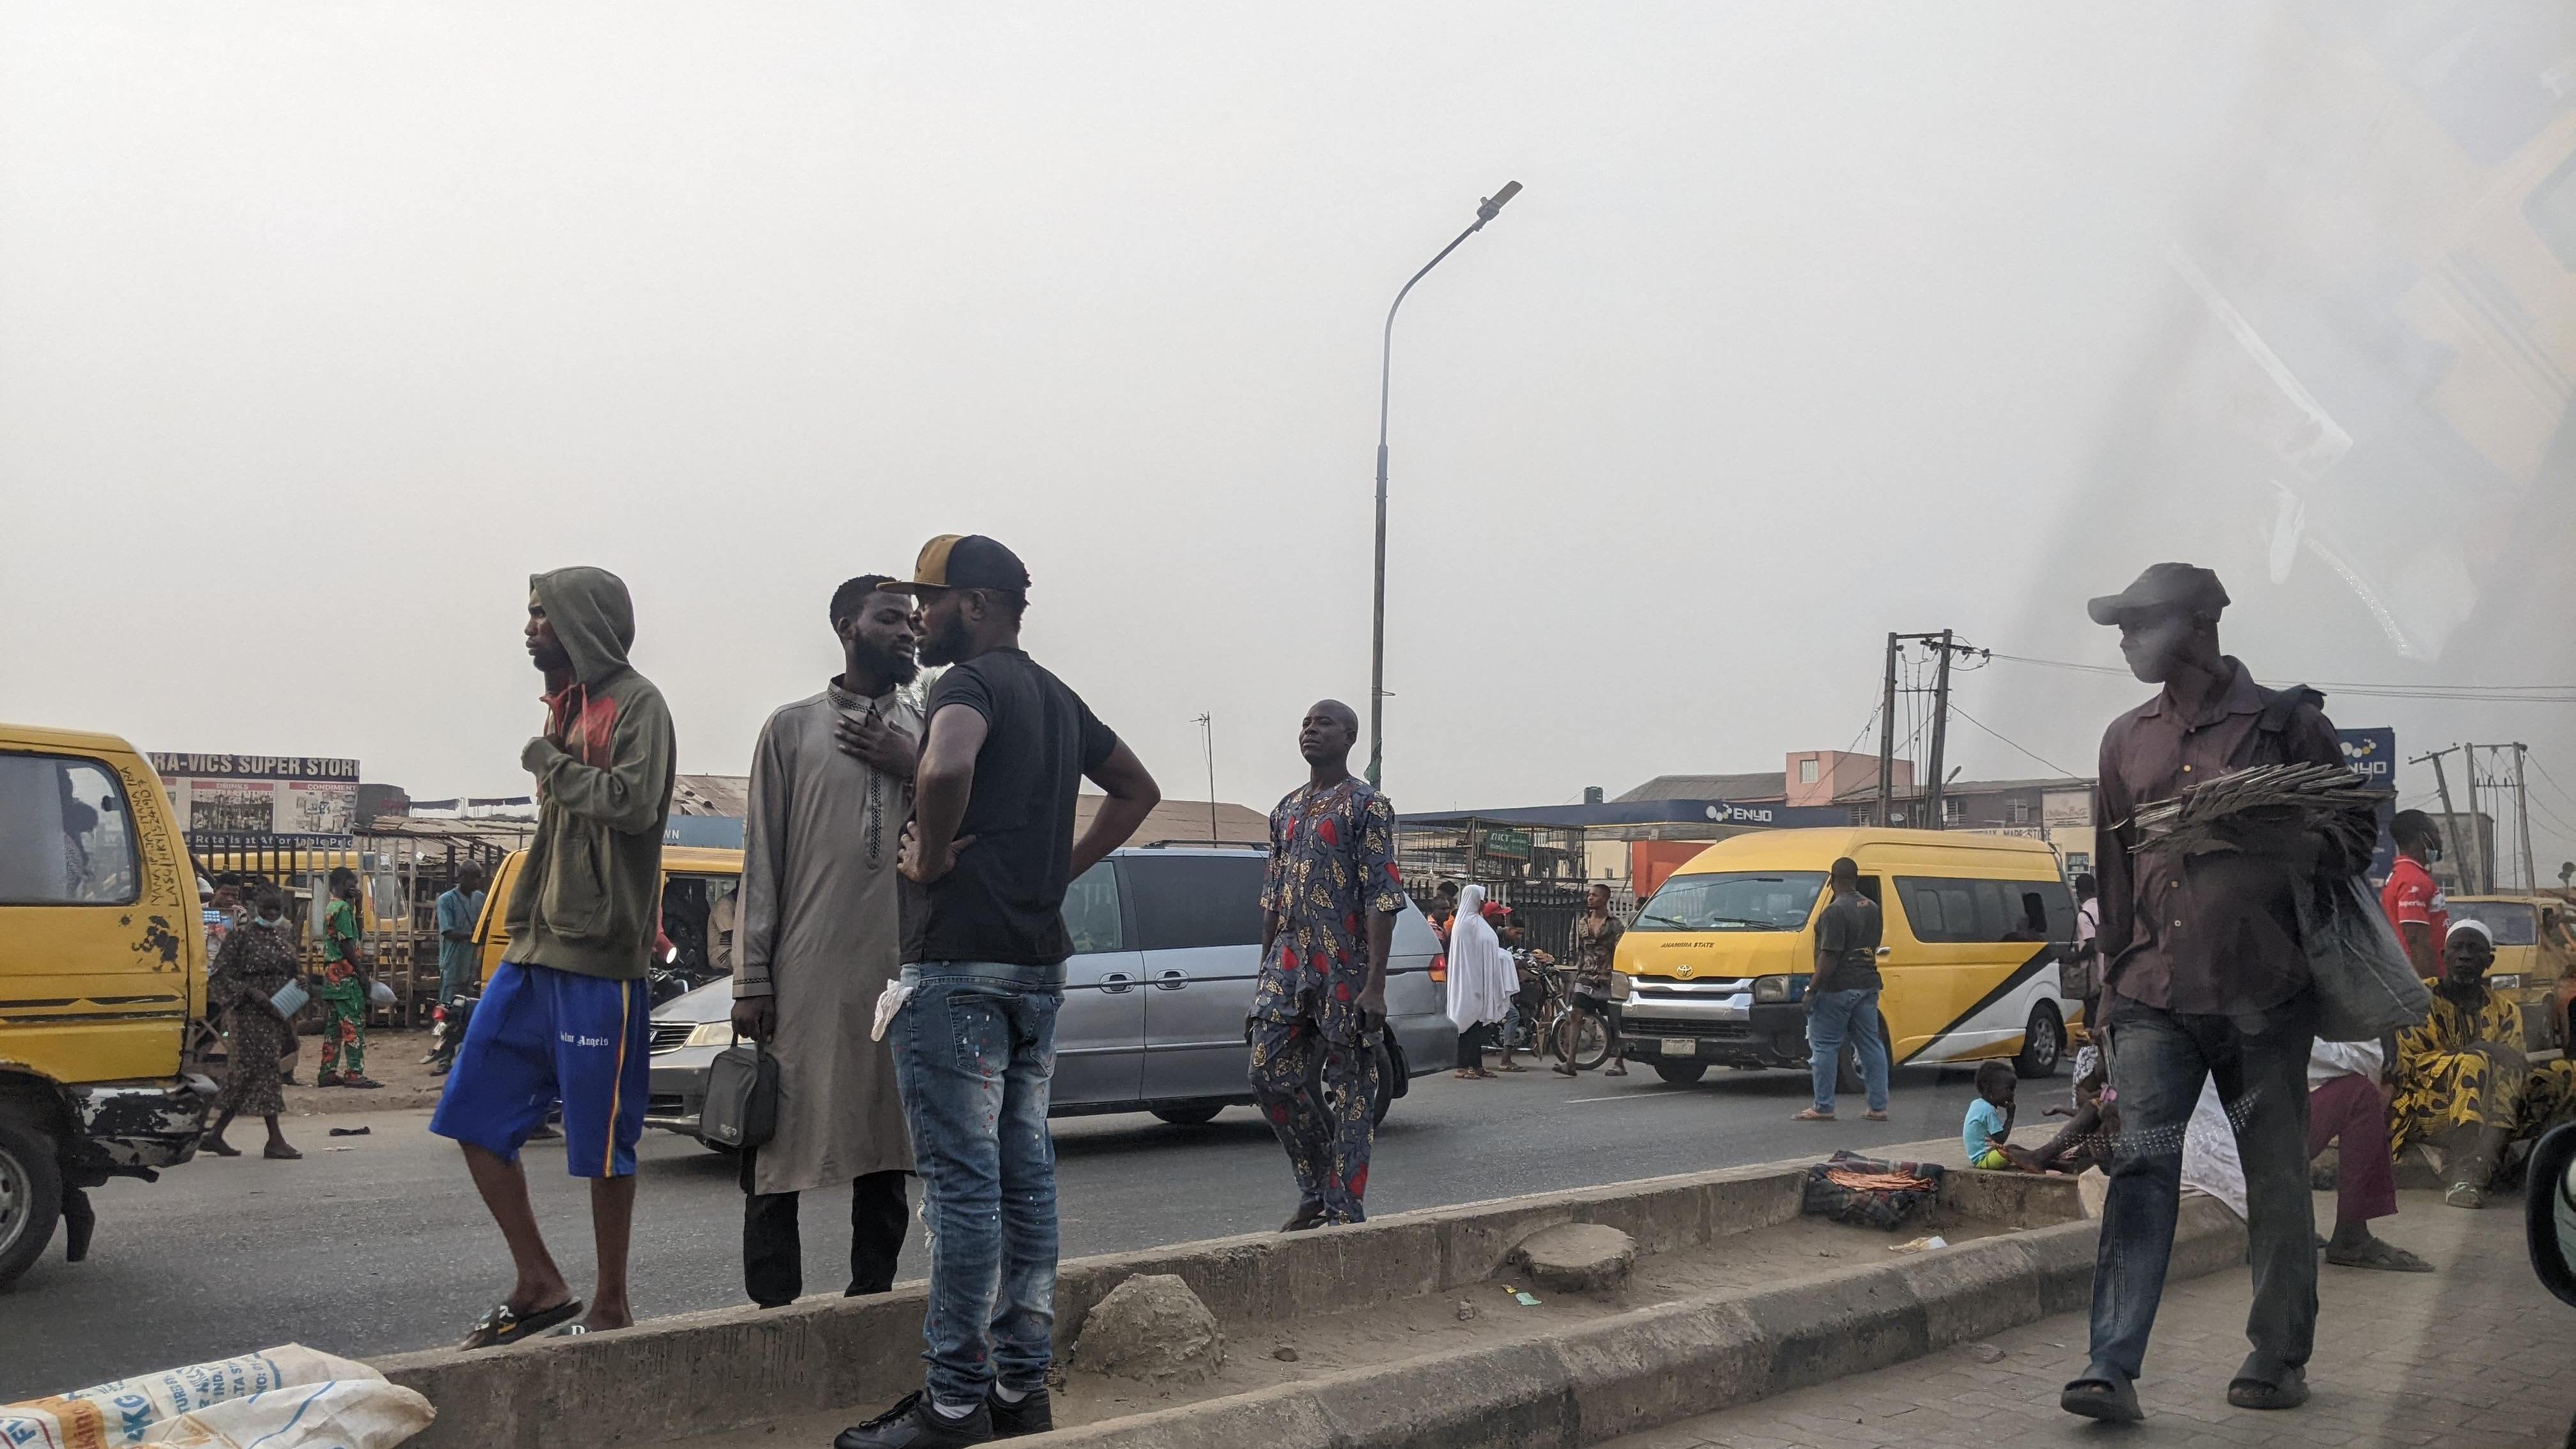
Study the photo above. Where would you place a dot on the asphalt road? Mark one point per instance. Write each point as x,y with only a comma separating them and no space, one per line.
378,1244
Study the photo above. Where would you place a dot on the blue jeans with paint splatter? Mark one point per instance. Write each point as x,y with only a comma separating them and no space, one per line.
974,1053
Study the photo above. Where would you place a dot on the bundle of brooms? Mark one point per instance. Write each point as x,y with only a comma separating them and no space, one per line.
2243,809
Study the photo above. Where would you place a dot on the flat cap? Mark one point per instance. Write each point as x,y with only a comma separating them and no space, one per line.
2163,586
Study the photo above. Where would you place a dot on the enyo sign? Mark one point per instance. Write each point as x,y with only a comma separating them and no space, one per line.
2372,754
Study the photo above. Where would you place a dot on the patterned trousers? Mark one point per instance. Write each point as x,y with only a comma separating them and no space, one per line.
344,1026
1320,1097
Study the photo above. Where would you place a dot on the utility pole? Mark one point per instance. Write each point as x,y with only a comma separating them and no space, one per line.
2450,821
1207,734
1887,741
2522,820
1940,732
2480,877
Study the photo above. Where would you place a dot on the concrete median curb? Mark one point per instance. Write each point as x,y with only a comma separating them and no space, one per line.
705,1373
1653,1366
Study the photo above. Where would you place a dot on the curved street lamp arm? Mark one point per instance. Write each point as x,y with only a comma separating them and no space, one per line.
1485,212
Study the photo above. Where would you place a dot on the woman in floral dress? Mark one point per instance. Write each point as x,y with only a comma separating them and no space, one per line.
258,957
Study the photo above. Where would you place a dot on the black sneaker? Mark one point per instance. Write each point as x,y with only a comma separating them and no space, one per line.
1031,1415
913,1424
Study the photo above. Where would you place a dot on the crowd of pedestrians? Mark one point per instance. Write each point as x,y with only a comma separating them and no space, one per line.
899,959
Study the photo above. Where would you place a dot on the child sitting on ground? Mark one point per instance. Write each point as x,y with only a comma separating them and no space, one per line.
2085,1141
1990,1121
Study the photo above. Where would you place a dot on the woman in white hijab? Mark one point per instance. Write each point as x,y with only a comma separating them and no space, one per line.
1481,981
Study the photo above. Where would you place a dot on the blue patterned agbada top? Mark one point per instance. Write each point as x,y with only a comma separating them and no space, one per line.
1332,860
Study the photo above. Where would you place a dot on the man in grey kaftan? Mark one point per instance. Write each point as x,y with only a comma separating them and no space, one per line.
818,939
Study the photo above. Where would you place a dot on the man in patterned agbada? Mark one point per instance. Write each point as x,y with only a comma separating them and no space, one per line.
2464,1087
1329,903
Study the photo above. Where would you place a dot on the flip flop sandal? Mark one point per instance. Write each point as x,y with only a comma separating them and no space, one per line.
574,1329
1510,1067
501,1325
2105,1394
1873,1116
1812,1115
2385,1256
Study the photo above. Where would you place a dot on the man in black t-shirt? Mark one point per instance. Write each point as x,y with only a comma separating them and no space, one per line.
987,857
1842,997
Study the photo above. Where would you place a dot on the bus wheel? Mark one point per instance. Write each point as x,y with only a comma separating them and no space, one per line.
31,1193
1847,1075
2043,1044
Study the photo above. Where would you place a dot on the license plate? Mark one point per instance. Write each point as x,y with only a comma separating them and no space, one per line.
1681,1046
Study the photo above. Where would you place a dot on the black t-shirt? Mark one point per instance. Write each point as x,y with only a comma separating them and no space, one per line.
1004,898
1847,936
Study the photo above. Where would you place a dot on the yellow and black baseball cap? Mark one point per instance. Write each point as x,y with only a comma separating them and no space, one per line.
965,561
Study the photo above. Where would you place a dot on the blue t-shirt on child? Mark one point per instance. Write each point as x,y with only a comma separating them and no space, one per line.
1985,1121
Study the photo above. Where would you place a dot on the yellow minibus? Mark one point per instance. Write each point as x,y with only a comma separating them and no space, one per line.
1715,967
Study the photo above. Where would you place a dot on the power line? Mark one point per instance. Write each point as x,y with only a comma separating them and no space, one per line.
1864,730
2483,693
1989,729
2553,781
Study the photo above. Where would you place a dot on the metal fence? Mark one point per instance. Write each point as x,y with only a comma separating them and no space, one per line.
400,879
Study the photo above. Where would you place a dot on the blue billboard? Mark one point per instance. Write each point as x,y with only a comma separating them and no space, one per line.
2372,755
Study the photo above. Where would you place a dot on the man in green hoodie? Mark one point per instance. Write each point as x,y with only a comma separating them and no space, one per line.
564,1017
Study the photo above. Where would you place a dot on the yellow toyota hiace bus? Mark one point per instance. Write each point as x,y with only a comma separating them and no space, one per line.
699,886
102,984
1715,968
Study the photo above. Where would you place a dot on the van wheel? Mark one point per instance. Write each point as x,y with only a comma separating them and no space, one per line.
2043,1044
1847,1077
1681,1074
1189,1114
31,1193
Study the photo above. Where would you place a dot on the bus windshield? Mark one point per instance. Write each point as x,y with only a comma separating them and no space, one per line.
1733,901
2513,923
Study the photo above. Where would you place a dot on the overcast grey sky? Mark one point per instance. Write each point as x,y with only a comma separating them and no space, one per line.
323,325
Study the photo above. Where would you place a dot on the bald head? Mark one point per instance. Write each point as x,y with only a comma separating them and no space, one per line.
1328,733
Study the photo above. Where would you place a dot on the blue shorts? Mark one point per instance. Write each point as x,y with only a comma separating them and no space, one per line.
541,1036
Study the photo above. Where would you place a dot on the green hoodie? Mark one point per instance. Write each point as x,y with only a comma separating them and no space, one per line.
590,892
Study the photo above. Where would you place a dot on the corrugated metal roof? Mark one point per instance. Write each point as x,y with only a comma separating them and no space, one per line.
1762,785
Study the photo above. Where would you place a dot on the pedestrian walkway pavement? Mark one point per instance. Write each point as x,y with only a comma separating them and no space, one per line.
2476,1355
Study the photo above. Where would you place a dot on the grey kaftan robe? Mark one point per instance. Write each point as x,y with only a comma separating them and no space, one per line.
819,932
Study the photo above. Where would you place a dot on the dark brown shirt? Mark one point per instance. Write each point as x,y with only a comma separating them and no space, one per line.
2206,934
1596,945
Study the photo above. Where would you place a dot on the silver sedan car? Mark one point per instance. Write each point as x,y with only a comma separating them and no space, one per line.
1167,946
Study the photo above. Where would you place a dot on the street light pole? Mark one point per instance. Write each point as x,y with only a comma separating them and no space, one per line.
1485,212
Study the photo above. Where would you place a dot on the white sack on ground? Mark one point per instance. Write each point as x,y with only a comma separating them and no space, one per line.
290,1397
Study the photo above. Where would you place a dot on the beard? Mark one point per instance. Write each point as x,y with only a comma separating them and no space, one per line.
948,643
885,663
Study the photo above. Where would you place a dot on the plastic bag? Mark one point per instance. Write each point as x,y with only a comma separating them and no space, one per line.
290,1397
2366,988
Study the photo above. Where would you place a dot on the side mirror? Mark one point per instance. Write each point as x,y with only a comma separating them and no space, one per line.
2549,1212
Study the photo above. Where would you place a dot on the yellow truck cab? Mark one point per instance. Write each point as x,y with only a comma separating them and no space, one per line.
102,983
699,886
2535,960
1716,965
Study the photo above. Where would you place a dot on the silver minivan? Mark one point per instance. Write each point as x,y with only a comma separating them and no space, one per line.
1167,946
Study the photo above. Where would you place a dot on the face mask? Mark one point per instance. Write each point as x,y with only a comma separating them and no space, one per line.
272,922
